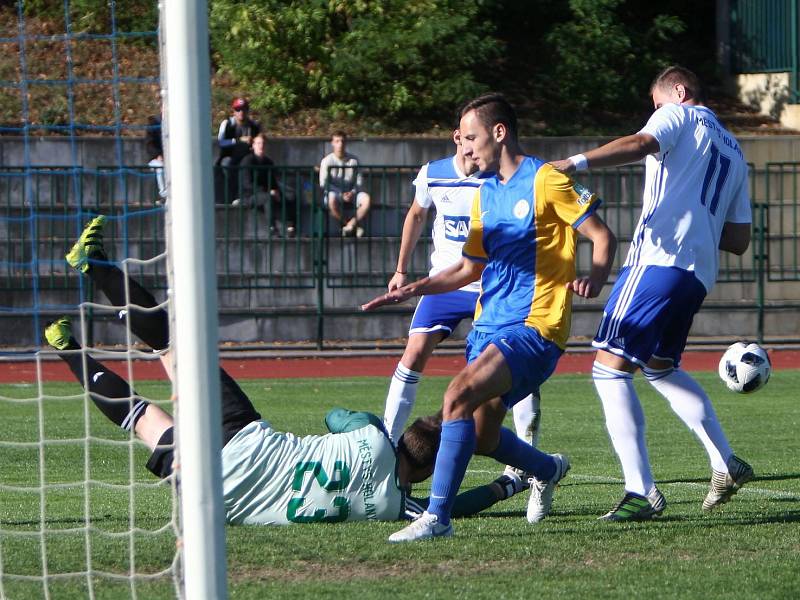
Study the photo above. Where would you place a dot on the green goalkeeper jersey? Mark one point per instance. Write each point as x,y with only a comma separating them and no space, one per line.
275,478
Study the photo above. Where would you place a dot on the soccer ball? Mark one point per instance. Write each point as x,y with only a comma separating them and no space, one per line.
744,367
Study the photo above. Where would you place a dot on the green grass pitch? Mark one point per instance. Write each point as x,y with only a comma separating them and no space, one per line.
748,549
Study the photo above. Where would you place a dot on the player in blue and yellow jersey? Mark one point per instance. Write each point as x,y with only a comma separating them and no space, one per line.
521,245
448,185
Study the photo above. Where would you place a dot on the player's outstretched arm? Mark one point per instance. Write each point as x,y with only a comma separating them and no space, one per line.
604,246
452,278
412,229
622,151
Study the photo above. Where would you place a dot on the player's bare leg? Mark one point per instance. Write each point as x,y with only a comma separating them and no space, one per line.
152,425
473,415
485,378
405,381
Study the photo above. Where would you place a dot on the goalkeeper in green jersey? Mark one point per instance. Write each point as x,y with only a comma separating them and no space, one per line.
353,473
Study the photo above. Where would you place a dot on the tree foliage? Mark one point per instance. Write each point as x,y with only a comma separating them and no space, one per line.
389,59
601,65
571,66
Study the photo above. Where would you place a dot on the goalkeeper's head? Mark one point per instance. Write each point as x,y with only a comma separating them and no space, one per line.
417,448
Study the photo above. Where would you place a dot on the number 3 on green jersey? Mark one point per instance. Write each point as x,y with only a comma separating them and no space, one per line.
339,503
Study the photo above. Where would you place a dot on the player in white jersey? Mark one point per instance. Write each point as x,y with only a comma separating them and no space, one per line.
449,186
269,477
695,201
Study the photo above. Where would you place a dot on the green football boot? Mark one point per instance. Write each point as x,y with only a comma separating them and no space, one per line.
634,507
59,334
89,245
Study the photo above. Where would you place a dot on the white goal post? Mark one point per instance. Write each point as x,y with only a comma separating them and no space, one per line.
190,241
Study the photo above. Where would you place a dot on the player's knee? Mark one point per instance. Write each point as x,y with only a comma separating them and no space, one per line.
653,374
457,399
414,361
601,371
418,350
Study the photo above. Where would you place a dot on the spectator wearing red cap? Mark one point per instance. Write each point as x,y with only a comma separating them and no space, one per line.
235,138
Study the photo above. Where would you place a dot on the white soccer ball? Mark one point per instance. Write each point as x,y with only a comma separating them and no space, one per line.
744,367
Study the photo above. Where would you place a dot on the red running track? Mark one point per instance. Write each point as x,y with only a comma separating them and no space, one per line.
367,366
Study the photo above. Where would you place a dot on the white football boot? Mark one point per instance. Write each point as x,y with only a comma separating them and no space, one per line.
426,527
725,485
541,499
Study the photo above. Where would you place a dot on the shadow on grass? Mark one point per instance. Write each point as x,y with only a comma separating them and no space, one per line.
562,525
788,476
714,519
79,522
757,478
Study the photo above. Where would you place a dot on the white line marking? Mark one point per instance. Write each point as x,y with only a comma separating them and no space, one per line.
748,489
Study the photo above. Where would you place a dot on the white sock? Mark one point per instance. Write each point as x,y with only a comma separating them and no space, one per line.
625,425
527,416
400,400
694,408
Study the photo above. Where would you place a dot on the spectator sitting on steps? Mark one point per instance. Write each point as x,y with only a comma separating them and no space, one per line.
236,134
260,185
234,138
341,185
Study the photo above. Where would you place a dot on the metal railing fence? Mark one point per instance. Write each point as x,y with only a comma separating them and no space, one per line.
279,253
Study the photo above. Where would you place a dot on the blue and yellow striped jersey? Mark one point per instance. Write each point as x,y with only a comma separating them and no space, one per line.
524,231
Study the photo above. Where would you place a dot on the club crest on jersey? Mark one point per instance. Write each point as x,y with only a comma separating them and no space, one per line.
456,228
584,195
522,208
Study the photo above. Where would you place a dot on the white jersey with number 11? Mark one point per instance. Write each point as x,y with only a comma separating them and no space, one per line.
693,186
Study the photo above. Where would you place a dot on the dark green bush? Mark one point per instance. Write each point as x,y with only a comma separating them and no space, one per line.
390,59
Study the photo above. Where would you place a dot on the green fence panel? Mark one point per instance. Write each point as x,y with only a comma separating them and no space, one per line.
264,268
764,38
782,251
255,252
761,35
265,227
352,262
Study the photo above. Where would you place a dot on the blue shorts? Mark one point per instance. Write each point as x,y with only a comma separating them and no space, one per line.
530,357
649,313
443,312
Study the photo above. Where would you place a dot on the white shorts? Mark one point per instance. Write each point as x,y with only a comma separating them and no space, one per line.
361,198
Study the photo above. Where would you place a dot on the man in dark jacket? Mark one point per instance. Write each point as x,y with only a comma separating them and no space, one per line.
260,186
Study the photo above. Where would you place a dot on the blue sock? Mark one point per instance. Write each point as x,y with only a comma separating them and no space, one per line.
455,451
515,452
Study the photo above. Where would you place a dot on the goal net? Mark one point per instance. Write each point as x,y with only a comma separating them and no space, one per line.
83,85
